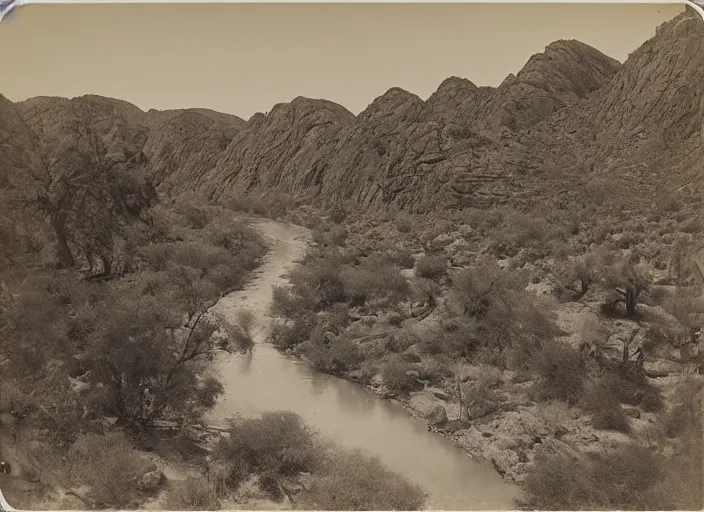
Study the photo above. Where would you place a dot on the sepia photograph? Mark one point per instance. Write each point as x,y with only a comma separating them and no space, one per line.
351,256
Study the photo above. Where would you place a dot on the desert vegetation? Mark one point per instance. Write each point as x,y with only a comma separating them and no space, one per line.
546,322
524,274
110,322
111,365
279,457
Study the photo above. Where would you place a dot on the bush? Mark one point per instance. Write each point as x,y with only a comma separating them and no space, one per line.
627,387
601,399
338,356
108,465
618,480
277,442
404,225
398,377
269,484
191,494
374,280
431,267
196,218
352,480
286,304
402,258
562,372
291,334
481,395
610,416
554,415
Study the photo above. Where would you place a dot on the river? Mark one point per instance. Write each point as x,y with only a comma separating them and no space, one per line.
267,380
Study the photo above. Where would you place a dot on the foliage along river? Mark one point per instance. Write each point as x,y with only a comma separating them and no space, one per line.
267,380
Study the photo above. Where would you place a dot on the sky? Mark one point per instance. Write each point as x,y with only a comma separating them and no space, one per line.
245,58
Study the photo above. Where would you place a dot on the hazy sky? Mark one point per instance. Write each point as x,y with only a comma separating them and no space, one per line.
244,58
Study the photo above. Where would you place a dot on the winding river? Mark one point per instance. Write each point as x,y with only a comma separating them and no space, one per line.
267,380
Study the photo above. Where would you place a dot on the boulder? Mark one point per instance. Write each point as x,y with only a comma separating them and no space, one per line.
438,416
419,309
151,481
437,392
505,443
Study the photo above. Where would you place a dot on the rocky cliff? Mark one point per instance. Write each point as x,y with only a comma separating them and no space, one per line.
570,117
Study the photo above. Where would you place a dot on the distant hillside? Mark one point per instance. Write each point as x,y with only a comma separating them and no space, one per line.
571,116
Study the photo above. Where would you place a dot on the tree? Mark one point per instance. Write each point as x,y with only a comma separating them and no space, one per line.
150,363
86,200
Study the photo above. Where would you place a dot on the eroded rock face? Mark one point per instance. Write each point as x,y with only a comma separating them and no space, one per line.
570,116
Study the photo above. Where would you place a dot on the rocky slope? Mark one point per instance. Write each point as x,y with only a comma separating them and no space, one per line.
572,115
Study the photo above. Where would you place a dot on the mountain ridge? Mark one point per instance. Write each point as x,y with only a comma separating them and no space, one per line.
569,114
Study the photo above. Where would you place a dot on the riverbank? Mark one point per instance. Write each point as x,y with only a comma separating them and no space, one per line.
359,334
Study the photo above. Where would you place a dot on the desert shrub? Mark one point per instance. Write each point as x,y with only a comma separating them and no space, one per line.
248,203
338,215
628,387
610,416
593,333
687,308
462,341
561,371
432,345
291,334
436,370
412,357
278,443
481,395
481,219
597,192
241,241
504,321
618,480
575,277
191,494
351,480
288,305
605,407
108,464
682,487
520,230
686,413
554,415
431,267
425,290
630,279
474,291
402,258
324,282
398,376
374,279
195,217
336,357
401,341
404,225
328,234
395,318
269,484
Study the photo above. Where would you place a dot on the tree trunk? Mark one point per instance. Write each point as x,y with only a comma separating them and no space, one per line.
58,223
630,301
459,392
